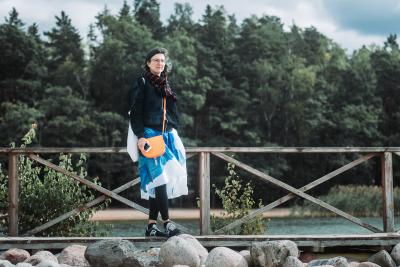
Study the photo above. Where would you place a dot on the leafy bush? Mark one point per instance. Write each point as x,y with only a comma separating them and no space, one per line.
237,200
358,200
46,194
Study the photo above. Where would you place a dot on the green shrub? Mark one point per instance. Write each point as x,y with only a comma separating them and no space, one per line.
237,201
46,194
358,200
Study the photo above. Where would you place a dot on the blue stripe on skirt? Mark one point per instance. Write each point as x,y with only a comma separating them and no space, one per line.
169,169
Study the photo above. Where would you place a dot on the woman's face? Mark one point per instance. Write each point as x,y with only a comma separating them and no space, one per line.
156,64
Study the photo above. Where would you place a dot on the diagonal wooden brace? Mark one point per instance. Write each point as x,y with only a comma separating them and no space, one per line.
97,187
298,192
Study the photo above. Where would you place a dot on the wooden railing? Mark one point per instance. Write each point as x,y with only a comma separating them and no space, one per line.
204,153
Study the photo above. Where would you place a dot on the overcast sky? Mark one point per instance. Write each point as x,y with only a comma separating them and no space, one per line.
351,23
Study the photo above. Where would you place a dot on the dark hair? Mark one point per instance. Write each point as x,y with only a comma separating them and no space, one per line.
151,53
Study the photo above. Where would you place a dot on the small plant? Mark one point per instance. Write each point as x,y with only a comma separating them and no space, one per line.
237,200
46,194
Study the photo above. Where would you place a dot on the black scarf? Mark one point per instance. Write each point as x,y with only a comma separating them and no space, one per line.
161,84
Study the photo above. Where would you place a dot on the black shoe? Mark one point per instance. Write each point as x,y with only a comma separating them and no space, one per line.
171,230
152,230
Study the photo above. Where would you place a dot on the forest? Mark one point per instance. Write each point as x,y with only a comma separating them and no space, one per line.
255,83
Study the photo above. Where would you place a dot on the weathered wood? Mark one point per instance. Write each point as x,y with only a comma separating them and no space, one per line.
80,209
204,181
13,194
387,192
122,150
97,187
297,192
290,196
318,241
89,183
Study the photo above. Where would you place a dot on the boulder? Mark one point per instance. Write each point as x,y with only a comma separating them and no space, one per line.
354,264
336,262
6,263
395,254
40,256
383,259
112,252
368,264
225,257
16,255
202,251
148,258
73,255
48,264
178,251
247,256
292,261
272,253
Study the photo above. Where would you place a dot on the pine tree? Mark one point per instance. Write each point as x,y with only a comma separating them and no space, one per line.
13,19
147,13
66,57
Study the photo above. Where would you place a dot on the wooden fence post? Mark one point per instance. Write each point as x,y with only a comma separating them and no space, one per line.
204,182
387,192
13,194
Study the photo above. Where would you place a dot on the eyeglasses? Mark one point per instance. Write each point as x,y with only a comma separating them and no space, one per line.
158,60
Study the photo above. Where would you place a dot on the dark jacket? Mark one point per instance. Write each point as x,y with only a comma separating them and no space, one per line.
146,108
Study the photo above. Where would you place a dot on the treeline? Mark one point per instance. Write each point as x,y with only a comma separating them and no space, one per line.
247,84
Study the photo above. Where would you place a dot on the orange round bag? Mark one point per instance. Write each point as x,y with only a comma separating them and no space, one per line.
156,143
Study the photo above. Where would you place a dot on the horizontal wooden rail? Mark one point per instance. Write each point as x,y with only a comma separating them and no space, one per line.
113,150
315,242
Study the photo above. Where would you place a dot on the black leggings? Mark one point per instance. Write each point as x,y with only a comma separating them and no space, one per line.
159,204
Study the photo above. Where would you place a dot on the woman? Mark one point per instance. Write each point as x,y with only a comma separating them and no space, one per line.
164,177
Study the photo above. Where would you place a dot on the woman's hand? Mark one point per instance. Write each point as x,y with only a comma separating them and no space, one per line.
141,142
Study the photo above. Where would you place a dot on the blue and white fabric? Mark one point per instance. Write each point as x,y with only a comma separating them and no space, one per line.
169,169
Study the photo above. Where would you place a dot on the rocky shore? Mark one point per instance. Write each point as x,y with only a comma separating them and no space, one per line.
186,250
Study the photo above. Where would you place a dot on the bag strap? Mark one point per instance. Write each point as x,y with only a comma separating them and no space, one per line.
164,114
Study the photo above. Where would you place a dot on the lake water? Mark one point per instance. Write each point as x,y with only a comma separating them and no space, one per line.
275,226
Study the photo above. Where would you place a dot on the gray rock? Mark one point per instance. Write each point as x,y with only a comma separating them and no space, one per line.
23,264
73,255
178,251
247,256
112,253
6,263
383,259
40,256
48,264
292,261
272,253
395,254
148,258
225,257
66,265
202,251
16,255
336,262
354,264
368,264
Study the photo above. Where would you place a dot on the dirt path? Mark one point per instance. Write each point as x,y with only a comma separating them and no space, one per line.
131,214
